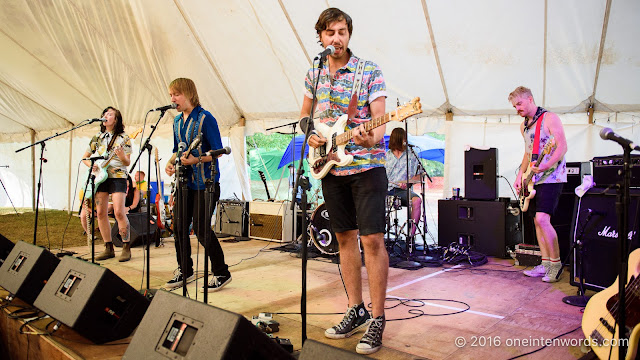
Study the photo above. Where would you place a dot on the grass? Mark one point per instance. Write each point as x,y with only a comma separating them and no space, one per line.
51,228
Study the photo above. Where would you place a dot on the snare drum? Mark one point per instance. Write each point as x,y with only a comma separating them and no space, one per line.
320,230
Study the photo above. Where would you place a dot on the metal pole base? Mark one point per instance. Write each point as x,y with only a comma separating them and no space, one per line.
408,264
576,300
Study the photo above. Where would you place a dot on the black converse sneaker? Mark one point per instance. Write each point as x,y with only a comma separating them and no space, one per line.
355,319
372,339
176,282
216,283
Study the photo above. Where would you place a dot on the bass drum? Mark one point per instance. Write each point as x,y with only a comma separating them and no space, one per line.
320,231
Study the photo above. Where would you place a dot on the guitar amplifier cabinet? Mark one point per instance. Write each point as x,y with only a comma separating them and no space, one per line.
232,218
270,221
597,228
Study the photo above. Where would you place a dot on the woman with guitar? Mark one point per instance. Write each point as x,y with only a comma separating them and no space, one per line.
549,173
111,178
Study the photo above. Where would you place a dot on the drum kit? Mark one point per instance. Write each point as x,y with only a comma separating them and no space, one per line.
324,239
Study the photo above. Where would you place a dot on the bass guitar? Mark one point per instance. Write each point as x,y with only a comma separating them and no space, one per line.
324,157
600,314
161,209
527,192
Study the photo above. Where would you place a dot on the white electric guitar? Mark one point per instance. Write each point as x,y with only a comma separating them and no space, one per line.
324,157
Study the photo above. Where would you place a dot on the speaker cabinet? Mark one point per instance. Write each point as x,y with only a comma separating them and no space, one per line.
488,227
480,174
270,221
6,246
26,270
598,230
138,228
232,218
177,327
92,300
314,350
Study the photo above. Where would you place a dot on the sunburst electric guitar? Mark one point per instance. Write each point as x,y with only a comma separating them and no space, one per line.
161,209
527,192
600,314
324,157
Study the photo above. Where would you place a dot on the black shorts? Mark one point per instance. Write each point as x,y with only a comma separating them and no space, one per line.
113,185
402,194
356,201
546,198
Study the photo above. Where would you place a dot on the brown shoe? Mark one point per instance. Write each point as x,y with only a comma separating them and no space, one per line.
108,252
125,255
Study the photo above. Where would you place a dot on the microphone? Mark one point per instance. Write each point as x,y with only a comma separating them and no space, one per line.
596,212
608,134
96,120
165,108
93,158
181,147
194,144
215,153
410,145
329,50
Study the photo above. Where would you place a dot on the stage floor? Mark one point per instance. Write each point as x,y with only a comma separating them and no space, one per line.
506,309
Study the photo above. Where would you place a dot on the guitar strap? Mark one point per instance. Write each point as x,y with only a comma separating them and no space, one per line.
535,153
357,78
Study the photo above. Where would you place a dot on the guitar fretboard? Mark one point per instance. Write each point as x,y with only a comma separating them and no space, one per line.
368,126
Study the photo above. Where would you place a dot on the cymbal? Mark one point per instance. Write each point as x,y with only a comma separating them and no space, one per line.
407,182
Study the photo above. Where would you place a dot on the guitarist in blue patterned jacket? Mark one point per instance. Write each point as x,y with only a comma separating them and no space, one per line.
114,144
550,174
354,193
193,122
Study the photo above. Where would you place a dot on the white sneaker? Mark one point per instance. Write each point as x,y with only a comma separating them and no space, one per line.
553,273
216,283
538,271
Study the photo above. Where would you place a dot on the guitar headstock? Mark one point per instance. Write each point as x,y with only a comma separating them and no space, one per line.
135,134
155,151
404,111
262,176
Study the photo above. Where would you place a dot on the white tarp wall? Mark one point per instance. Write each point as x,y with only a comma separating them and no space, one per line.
65,60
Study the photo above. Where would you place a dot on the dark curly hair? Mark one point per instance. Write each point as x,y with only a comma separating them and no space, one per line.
332,15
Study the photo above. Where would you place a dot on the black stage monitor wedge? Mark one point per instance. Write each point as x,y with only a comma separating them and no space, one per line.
6,246
26,270
92,300
176,327
480,174
314,350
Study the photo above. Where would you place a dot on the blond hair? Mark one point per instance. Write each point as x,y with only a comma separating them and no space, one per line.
187,88
520,91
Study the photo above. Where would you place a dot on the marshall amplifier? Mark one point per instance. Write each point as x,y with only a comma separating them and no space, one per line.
596,225
606,168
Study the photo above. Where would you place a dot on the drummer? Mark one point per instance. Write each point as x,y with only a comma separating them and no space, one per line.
397,174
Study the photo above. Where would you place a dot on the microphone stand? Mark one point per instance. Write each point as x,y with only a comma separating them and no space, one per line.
42,159
181,227
408,263
579,300
293,161
147,146
307,132
425,247
209,204
91,178
622,210
5,190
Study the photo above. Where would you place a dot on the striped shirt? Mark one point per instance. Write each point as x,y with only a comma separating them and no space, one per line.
333,101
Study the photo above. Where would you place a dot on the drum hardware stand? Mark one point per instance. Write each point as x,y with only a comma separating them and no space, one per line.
580,299
147,146
43,160
5,190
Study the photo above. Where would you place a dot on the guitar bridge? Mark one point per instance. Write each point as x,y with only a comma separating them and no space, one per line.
596,337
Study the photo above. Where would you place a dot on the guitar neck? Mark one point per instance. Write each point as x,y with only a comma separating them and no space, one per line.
368,126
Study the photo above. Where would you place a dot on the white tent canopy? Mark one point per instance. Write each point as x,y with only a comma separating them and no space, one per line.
64,61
